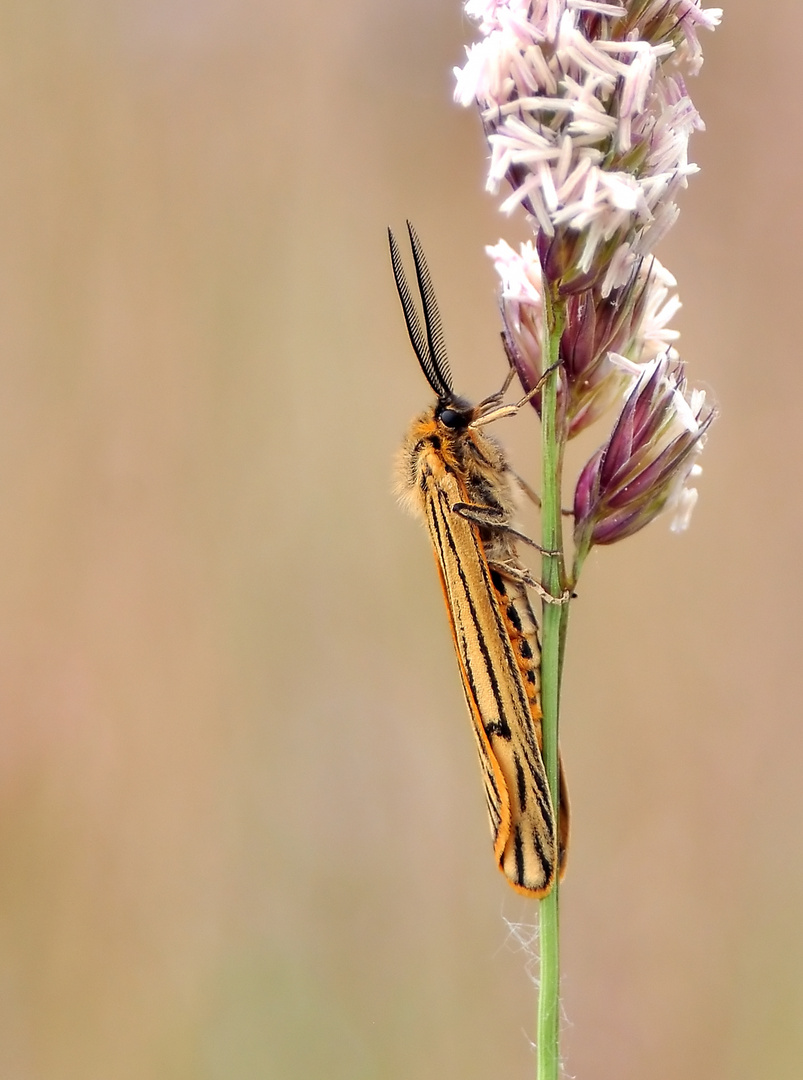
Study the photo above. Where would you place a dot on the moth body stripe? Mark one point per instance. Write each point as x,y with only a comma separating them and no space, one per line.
521,784
498,728
519,854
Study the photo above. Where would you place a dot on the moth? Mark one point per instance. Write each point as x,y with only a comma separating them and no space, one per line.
455,477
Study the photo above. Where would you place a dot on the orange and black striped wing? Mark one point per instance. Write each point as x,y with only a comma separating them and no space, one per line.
522,628
519,805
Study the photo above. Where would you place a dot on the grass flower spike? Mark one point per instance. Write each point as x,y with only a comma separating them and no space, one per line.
645,463
586,112
587,116
629,321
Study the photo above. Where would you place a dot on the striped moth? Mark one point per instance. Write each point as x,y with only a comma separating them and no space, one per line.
456,478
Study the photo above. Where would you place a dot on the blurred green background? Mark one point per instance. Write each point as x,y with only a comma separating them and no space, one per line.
242,833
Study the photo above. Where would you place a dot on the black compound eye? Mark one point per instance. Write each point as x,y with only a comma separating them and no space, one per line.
450,418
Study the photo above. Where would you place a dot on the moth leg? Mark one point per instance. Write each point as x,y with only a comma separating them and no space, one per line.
533,495
492,403
488,415
491,409
517,572
494,518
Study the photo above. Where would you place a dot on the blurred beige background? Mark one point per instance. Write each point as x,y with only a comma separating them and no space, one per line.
241,828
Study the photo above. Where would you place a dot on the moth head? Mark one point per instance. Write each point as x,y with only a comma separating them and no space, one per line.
455,414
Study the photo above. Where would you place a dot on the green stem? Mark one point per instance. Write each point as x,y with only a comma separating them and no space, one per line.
553,634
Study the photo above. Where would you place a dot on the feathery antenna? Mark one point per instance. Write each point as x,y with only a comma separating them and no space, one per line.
429,347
